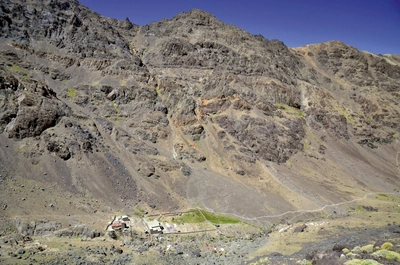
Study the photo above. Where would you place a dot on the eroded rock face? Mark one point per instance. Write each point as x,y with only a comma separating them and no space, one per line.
62,24
148,113
37,228
28,110
371,81
347,62
336,124
265,139
35,114
60,149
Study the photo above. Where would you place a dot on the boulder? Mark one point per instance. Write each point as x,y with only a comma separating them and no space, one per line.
300,228
35,114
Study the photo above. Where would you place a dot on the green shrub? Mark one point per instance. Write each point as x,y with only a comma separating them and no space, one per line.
387,254
71,92
387,245
368,248
362,262
356,249
352,255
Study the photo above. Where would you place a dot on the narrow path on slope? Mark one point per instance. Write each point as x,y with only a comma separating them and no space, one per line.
301,211
397,156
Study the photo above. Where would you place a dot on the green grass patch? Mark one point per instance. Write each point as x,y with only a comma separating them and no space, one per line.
139,212
193,216
305,145
71,92
157,89
116,111
291,110
132,48
219,218
314,136
346,116
325,216
16,69
359,208
387,197
199,216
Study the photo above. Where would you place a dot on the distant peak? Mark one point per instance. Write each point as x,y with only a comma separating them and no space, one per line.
335,43
195,14
199,12
332,44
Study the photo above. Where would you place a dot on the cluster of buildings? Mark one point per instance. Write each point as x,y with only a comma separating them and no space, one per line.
152,226
119,223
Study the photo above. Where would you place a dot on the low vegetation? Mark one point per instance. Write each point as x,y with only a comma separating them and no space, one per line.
16,69
199,216
381,252
291,110
192,216
219,219
116,111
387,245
346,116
139,212
362,262
387,197
71,92
387,254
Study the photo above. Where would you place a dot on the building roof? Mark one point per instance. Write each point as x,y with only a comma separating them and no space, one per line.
153,223
125,218
116,224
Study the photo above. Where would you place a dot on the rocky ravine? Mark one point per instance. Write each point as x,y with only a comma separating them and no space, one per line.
188,111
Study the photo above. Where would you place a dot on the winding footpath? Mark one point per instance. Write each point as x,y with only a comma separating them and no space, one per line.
302,211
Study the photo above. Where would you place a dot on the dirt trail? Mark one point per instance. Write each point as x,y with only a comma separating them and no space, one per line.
302,211
397,156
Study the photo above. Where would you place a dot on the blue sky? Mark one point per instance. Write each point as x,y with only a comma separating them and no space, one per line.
372,25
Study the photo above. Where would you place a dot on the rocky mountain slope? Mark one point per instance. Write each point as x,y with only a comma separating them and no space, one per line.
187,112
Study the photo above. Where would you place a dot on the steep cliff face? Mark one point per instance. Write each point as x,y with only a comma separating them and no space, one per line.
190,110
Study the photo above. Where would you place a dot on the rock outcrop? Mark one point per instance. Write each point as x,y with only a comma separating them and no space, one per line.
190,110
